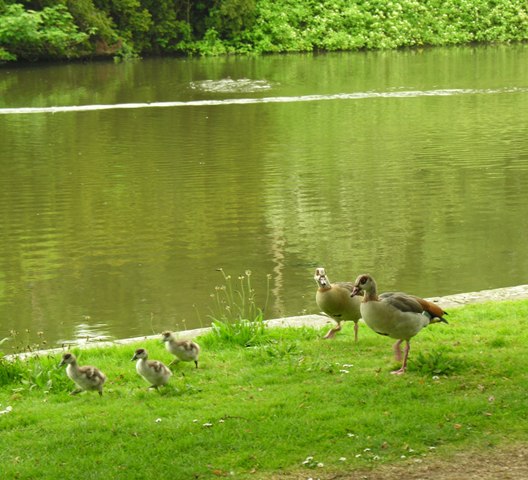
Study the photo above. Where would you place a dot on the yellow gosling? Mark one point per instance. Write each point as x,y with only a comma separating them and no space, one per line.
86,377
153,371
184,350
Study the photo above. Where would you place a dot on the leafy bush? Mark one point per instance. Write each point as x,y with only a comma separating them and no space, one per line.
73,28
49,33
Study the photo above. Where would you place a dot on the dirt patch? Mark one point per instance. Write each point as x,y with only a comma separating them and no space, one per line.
503,464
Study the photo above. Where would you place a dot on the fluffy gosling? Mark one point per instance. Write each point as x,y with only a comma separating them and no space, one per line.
183,350
86,378
153,371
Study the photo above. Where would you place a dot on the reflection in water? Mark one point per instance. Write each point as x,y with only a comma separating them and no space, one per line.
87,333
113,221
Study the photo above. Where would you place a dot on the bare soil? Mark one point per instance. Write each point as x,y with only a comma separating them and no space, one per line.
497,464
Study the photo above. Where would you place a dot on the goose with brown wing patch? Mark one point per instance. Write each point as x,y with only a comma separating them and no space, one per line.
396,315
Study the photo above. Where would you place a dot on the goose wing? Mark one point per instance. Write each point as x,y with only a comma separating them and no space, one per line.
92,374
411,303
157,366
402,301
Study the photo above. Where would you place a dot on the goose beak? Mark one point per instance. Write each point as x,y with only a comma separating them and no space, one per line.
133,358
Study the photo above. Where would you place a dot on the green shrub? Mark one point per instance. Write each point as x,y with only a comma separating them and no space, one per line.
49,33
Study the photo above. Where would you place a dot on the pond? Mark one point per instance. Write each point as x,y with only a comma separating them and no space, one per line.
125,187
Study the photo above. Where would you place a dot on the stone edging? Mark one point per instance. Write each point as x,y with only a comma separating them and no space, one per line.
519,292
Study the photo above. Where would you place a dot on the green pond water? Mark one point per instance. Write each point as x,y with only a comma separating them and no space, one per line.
124,187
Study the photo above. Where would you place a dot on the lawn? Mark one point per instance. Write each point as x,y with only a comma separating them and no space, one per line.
289,402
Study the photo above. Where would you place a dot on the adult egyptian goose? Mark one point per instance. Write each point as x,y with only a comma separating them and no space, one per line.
397,315
153,371
86,378
334,299
184,350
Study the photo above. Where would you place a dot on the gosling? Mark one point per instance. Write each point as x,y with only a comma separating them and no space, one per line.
86,378
183,350
153,371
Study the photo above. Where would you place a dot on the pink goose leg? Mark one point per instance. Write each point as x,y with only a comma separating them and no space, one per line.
397,350
401,371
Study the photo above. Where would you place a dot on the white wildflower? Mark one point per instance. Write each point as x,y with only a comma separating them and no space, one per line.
8,409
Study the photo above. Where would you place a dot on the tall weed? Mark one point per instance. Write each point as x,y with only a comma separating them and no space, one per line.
236,317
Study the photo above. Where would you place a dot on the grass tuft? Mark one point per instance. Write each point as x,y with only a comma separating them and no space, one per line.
236,318
437,362
244,333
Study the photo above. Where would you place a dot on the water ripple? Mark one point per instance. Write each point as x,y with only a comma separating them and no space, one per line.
292,99
228,85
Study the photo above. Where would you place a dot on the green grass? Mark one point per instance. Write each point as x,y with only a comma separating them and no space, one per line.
288,403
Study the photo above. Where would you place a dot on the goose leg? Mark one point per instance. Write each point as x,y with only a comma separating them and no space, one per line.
332,332
356,329
397,350
401,371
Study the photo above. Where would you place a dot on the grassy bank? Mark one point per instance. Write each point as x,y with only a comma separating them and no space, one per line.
290,401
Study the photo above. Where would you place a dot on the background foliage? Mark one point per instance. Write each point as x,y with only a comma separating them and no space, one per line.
62,29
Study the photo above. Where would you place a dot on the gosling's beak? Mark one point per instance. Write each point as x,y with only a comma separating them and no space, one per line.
133,358
355,291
